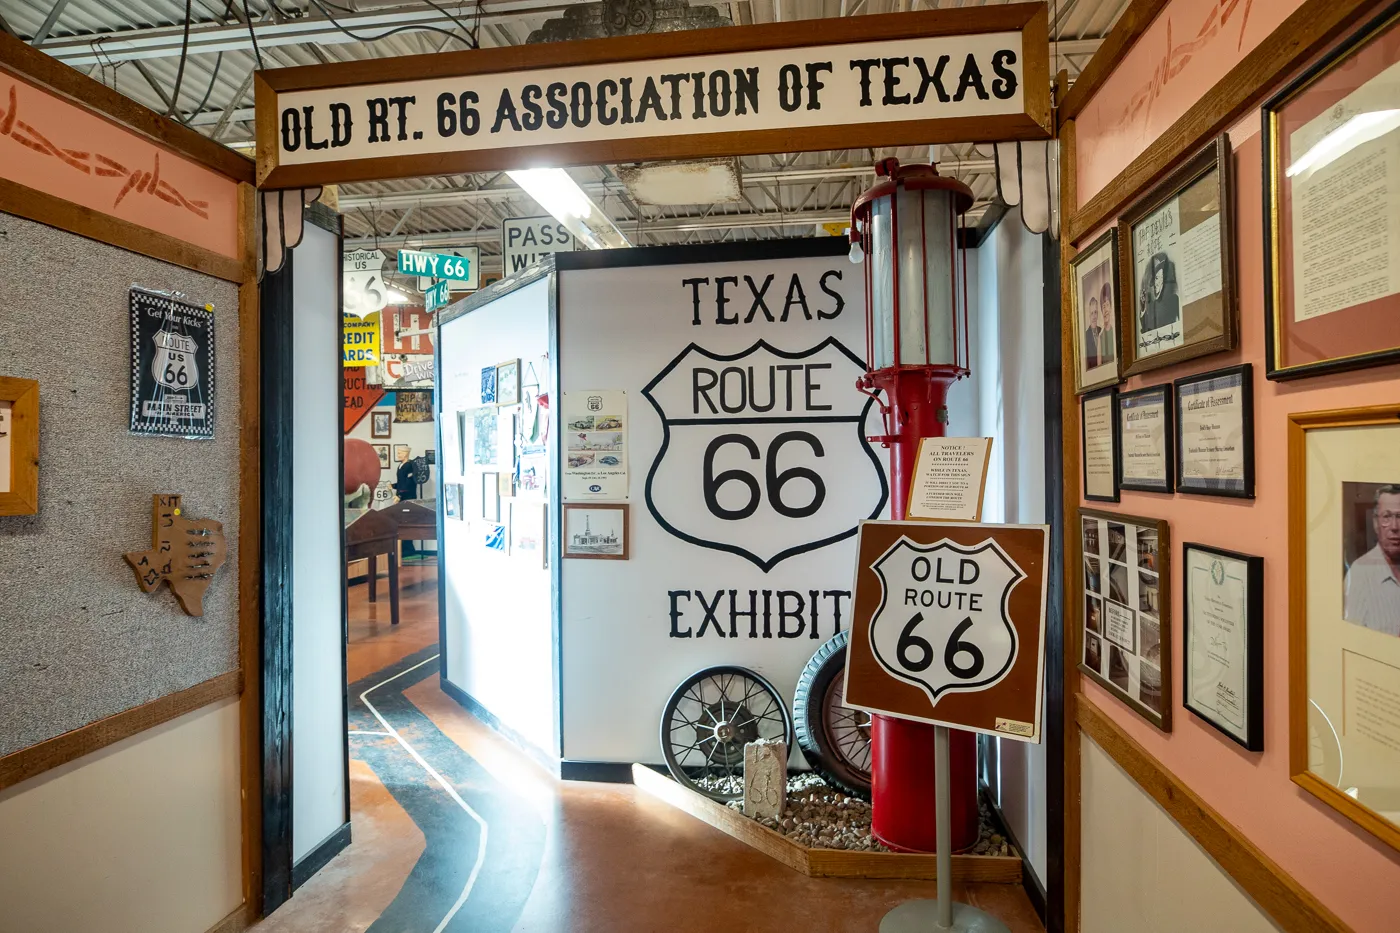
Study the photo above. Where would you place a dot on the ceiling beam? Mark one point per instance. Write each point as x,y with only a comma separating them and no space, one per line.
55,12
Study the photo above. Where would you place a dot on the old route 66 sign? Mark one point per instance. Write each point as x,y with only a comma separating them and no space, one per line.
943,620
764,452
173,365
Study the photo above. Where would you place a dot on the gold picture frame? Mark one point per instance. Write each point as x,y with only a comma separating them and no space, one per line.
19,479
1094,277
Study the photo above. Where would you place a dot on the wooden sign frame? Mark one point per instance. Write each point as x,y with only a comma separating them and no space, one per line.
22,498
1035,122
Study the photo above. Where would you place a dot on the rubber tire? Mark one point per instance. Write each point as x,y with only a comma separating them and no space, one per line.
668,754
827,664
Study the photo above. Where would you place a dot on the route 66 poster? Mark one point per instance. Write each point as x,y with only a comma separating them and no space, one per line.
172,366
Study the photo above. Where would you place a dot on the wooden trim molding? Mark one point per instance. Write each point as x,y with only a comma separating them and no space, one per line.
23,201
34,66
36,759
1305,32
236,922
1129,28
1273,889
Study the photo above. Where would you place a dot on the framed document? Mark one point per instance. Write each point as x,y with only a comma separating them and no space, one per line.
1344,612
19,446
1094,292
1098,426
1125,617
1178,265
1145,434
1223,632
950,477
1215,433
1332,248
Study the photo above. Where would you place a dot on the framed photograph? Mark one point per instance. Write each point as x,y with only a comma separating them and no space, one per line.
1178,265
1094,292
19,446
452,501
1331,281
400,451
488,385
1344,612
1215,433
381,424
430,456
1146,436
490,497
1125,627
1098,428
1222,680
596,530
508,383
382,451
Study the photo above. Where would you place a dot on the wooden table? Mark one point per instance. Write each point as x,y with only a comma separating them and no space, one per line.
416,519
369,533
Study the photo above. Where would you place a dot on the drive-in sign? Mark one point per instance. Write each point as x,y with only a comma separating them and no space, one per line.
948,624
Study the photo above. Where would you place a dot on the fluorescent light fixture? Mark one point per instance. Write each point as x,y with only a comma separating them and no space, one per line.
395,297
1361,128
563,199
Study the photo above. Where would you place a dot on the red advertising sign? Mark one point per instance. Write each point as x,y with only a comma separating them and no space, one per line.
360,396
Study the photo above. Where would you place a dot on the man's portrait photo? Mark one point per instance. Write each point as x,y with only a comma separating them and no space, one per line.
1371,555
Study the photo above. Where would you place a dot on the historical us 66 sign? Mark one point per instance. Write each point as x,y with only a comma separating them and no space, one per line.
948,625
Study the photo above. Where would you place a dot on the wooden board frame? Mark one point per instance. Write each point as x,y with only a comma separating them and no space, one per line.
1031,19
1299,424
23,495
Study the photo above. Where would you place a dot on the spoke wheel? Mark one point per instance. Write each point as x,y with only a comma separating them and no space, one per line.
834,740
709,719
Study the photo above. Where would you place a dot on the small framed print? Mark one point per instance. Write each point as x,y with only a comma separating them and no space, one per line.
1125,616
488,385
381,423
401,452
1098,425
19,446
1178,265
1147,440
1331,280
1215,433
508,383
596,530
1097,338
382,452
1222,680
431,456
490,497
452,501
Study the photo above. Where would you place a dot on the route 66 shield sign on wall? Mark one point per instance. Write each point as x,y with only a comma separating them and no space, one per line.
172,366
948,625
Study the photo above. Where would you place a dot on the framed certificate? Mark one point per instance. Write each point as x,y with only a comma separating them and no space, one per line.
1178,265
1097,334
1215,433
1331,143
1125,613
1223,631
1344,612
1145,434
19,446
1098,427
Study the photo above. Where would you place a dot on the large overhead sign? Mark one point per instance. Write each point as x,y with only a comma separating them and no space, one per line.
898,79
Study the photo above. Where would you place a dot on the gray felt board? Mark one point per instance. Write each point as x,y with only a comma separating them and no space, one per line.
78,640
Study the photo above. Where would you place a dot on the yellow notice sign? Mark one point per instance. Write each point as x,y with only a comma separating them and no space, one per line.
361,339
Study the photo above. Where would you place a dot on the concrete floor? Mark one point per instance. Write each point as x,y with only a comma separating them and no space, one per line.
553,856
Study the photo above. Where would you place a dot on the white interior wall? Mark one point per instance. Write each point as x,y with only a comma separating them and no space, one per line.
1009,373
499,609
144,836
318,688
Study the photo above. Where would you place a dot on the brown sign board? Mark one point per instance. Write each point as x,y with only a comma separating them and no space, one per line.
899,79
948,625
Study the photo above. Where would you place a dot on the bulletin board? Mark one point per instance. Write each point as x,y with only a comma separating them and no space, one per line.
78,640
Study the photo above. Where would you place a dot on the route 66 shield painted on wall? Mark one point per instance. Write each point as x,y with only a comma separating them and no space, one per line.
948,625
172,366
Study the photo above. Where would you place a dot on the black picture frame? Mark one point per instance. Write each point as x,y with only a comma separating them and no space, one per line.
1245,373
1253,739
1084,400
1169,441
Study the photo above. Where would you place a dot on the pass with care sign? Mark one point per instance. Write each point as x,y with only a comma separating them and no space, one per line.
948,625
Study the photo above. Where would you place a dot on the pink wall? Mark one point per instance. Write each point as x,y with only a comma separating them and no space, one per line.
57,147
1189,47
1351,872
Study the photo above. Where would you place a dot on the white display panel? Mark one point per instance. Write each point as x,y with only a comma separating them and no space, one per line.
685,342
498,605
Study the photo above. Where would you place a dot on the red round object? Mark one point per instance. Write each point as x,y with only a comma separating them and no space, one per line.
361,465
901,791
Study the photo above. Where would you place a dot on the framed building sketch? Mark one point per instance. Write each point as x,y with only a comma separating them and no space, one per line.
1222,680
596,530
1215,433
1125,611
1147,440
172,366
1097,334
1178,265
1098,429
19,446
1344,612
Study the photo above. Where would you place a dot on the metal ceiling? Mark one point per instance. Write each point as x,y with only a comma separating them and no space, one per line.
204,79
